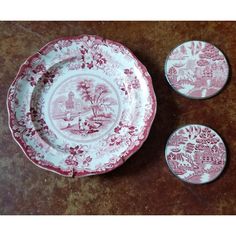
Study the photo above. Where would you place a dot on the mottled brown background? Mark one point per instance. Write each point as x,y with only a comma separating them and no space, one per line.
143,185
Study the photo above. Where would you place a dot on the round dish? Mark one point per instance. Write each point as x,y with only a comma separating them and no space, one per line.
81,106
196,69
196,154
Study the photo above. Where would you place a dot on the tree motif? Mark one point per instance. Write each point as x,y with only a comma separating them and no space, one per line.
97,96
210,52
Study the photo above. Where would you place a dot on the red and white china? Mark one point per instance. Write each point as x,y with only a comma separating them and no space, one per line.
196,69
81,106
195,154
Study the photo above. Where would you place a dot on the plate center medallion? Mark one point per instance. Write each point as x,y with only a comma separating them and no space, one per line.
84,108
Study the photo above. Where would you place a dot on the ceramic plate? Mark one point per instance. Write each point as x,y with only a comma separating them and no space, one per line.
81,106
196,154
196,69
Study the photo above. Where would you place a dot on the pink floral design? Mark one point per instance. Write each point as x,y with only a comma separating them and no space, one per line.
114,140
129,72
131,83
91,58
63,44
39,68
76,151
49,76
123,134
130,129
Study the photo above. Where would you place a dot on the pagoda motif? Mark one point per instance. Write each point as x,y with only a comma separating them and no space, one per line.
70,102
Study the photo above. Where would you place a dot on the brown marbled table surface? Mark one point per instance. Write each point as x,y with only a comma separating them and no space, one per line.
143,185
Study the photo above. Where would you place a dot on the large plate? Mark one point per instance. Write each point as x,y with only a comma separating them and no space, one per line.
81,106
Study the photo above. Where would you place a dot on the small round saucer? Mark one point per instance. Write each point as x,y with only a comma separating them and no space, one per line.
195,154
196,69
